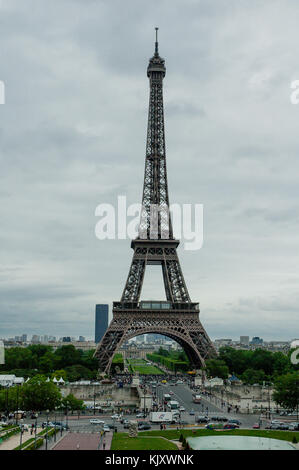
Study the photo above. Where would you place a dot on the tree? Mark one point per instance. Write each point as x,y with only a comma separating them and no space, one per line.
286,390
163,352
71,403
67,355
37,394
216,368
77,372
252,376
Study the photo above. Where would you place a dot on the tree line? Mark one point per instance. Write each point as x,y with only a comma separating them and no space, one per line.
67,362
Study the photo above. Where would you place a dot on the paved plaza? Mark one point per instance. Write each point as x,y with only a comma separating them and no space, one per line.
83,441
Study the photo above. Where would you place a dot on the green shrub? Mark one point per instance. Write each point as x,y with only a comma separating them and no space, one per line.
39,443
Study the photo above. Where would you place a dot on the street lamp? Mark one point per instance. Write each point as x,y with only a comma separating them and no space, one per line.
55,424
17,415
47,411
35,429
21,435
7,411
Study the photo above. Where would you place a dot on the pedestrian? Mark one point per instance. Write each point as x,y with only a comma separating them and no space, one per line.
104,444
78,446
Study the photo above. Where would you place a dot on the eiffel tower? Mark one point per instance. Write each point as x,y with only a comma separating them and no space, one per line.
178,317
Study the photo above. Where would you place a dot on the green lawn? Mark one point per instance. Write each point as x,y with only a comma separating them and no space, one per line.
153,440
174,434
141,366
121,441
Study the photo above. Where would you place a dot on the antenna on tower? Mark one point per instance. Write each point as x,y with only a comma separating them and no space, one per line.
156,43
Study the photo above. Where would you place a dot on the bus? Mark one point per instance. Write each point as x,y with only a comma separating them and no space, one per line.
166,398
173,405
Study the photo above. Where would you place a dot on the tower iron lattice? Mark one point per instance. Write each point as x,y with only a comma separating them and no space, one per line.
177,317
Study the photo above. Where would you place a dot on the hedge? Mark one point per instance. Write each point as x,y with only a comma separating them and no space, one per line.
9,434
30,442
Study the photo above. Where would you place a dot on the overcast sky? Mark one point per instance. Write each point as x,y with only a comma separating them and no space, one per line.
72,136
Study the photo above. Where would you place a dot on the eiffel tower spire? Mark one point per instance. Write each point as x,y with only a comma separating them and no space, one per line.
155,221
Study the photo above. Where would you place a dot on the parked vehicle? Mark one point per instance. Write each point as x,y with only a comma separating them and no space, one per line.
284,427
60,424
256,426
47,423
106,428
231,426
96,421
164,417
220,419
235,421
143,426
202,419
273,426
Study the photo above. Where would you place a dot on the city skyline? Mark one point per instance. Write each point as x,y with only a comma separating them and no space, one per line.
229,118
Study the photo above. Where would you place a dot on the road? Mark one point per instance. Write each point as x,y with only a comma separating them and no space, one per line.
181,393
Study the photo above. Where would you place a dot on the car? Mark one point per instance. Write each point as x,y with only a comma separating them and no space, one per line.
235,421
202,419
179,382
171,392
96,421
143,426
106,428
61,425
140,415
112,426
273,426
115,416
230,426
182,408
47,423
126,425
294,427
284,427
221,419
191,413
256,426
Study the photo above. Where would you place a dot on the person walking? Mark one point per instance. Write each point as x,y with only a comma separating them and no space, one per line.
104,444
